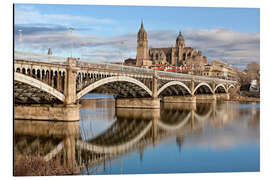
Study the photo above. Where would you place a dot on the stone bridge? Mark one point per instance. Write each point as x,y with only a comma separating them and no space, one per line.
42,79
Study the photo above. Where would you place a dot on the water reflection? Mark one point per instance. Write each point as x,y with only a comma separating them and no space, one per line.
105,136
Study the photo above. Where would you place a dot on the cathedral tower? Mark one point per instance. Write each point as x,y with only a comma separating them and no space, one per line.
180,45
142,58
180,41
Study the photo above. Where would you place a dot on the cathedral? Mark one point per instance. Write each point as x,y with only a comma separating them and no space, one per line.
180,55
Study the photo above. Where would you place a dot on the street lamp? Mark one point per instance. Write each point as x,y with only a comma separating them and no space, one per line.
71,30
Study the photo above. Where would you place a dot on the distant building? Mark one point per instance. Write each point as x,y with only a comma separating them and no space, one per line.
221,70
142,58
177,56
130,62
181,59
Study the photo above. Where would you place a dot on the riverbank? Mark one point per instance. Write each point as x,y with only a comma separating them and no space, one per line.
37,166
240,98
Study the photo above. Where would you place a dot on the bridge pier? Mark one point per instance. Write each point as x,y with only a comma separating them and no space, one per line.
223,96
201,97
179,99
144,103
70,89
47,113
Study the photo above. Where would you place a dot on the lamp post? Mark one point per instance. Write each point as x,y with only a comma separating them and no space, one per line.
71,30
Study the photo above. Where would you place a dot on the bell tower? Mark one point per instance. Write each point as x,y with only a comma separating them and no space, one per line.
180,41
180,45
142,58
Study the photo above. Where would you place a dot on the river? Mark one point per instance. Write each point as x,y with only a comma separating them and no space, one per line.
178,138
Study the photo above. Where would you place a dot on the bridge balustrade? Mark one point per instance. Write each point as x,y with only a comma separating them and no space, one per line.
125,81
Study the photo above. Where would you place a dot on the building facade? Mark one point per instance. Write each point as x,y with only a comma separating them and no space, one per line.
221,70
180,55
180,59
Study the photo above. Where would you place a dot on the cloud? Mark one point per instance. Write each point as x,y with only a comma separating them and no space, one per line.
30,15
229,136
235,48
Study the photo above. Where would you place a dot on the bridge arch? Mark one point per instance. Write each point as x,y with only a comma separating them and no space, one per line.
203,84
112,79
231,86
171,84
221,85
38,84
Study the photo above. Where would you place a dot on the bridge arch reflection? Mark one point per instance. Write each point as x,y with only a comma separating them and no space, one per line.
133,129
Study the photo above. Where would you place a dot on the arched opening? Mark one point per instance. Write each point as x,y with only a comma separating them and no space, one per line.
28,71
33,73
43,75
47,77
55,79
38,74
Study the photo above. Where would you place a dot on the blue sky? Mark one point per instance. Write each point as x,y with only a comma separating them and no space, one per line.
108,33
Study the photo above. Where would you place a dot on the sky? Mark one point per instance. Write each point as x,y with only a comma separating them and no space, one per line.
109,33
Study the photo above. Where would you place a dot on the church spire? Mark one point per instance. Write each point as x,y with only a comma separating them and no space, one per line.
142,23
142,33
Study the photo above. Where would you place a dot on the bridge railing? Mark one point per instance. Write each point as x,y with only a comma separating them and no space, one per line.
148,71
19,55
117,67
195,77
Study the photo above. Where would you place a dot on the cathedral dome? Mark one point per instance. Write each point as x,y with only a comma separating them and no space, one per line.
180,37
180,41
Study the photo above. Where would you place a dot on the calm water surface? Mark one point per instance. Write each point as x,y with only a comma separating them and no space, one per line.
178,138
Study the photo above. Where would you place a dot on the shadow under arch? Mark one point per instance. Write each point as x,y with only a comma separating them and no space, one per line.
173,83
201,85
104,81
221,86
40,85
